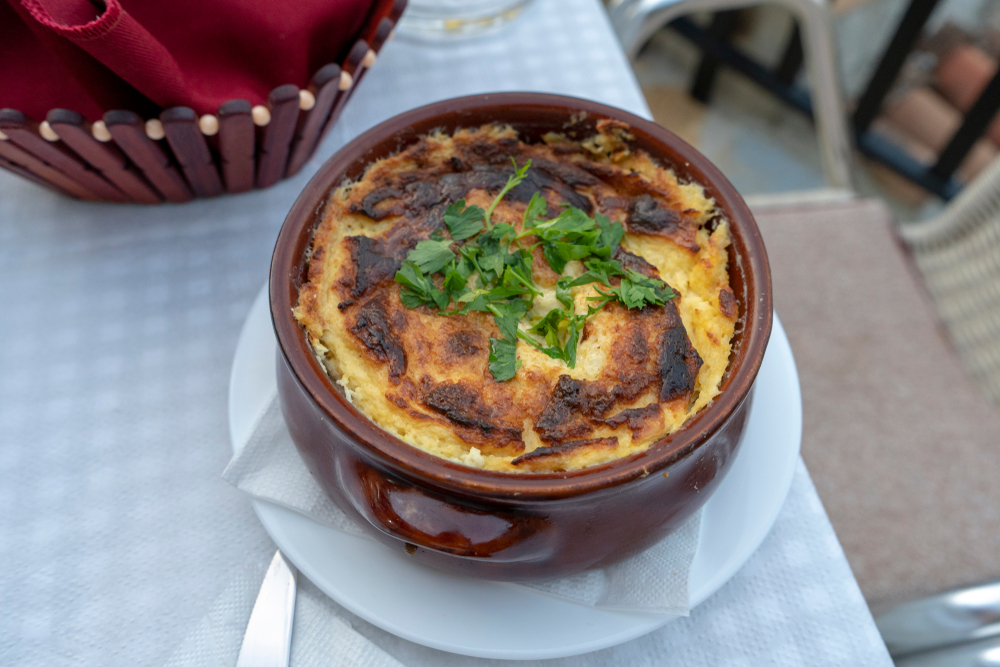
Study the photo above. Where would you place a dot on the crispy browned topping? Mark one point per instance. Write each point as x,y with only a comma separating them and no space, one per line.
549,458
727,303
380,335
462,405
652,352
437,366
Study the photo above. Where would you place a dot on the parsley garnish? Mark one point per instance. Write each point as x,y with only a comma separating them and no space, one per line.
484,268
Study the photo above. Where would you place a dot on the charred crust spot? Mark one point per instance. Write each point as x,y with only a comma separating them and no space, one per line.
612,206
369,205
317,253
647,216
344,305
557,419
634,417
456,164
570,174
566,148
486,169
421,196
727,303
370,267
596,400
571,403
537,180
398,400
375,330
562,449
462,405
635,262
611,124
465,343
678,364
486,151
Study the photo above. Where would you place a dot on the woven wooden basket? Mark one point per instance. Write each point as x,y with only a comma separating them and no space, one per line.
179,156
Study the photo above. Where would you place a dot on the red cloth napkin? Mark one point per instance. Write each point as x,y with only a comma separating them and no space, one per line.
143,55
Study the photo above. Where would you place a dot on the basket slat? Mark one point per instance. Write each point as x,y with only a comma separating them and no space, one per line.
236,145
324,87
378,41
283,103
106,159
352,64
24,173
191,150
128,131
134,165
389,10
23,132
27,165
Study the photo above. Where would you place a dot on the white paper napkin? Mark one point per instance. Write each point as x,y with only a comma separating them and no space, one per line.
320,636
268,467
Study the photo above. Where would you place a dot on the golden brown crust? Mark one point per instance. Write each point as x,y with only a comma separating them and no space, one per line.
426,378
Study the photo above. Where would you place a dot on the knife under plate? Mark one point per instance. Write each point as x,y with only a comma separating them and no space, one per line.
269,633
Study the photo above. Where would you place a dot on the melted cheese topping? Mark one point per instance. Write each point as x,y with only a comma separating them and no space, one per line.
640,374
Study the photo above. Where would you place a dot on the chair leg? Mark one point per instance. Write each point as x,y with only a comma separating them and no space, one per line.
721,28
637,21
791,59
828,104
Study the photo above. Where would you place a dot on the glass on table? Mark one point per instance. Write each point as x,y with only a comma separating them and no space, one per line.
445,20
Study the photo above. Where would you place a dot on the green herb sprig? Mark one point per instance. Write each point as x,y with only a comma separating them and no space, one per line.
484,268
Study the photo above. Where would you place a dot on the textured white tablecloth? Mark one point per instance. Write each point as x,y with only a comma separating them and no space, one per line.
117,331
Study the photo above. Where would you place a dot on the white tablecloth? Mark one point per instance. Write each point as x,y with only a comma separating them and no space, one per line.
117,330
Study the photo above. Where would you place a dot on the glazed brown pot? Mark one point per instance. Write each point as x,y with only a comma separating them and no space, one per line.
494,525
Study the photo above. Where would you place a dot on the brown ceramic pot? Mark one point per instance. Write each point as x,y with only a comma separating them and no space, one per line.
493,525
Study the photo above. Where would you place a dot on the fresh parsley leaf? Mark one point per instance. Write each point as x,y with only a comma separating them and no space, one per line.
503,232
537,207
503,359
559,253
599,271
506,321
417,289
456,280
569,351
512,182
464,222
548,326
563,294
492,265
570,222
611,235
487,276
637,291
431,256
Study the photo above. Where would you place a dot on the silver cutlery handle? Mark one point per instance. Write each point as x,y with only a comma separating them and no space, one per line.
956,617
985,653
269,633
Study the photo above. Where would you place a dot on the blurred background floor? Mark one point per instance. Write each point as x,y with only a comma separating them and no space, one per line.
765,146
903,447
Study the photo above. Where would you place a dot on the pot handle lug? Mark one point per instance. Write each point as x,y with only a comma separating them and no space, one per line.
428,520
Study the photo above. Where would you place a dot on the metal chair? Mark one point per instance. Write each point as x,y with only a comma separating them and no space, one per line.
956,629
958,253
636,21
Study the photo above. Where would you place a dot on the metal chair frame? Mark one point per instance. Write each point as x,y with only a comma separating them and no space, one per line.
636,21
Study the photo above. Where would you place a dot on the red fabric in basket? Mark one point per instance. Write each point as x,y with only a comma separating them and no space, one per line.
144,55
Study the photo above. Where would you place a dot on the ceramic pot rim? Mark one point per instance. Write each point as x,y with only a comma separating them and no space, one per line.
296,236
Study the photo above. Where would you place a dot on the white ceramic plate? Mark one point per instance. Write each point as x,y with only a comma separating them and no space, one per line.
480,618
